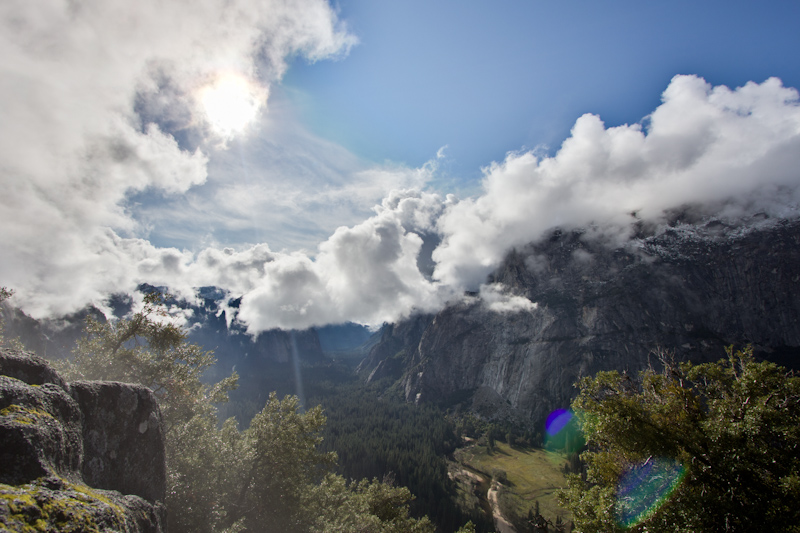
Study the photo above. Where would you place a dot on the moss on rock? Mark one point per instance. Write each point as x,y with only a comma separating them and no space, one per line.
55,505
24,415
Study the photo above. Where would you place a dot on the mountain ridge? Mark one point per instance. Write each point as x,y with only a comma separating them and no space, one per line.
691,288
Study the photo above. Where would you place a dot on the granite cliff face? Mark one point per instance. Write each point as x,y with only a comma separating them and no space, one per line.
82,456
689,288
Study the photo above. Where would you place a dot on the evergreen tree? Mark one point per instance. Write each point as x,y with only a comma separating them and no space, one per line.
5,294
373,506
149,349
280,463
221,479
14,342
711,447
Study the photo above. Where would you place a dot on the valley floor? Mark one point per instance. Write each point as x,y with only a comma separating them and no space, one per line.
530,475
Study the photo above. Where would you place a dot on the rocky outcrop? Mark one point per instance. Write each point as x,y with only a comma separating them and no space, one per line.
83,456
690,288
123,438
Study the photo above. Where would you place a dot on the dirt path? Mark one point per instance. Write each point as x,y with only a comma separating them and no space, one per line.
502,525
490,499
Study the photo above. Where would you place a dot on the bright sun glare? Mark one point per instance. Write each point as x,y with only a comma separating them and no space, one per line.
231,103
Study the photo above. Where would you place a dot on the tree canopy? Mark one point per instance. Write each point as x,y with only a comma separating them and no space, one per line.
709,447
5,294
271,477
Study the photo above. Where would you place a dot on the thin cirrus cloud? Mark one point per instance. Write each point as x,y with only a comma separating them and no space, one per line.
113,176
279,185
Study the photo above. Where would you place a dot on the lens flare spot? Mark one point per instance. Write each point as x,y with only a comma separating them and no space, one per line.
563,433
644,488
557,420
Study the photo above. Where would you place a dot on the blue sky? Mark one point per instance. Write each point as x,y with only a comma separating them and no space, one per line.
485,78
367,160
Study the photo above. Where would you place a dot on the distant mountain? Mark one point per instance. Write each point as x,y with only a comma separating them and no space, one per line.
690,288
273,360
49,338
206,325
343,337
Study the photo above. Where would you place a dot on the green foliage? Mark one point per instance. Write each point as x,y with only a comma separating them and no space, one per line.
732,429
281,461
499,475
365,506
466,423
375,436
204,473
490,441
15,343
5,294
469,527
265,478
149,349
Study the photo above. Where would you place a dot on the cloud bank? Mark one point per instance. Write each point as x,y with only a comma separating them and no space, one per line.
736,150
102,122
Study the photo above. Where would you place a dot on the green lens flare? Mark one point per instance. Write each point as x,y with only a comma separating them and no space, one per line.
644,488
562,432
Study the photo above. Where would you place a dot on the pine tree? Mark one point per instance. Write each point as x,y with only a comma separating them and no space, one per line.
719,441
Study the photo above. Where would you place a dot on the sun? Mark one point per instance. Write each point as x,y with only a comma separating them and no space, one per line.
231,103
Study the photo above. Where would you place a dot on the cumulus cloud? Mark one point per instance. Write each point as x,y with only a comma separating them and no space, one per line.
736,149
100,102
367,273
104,152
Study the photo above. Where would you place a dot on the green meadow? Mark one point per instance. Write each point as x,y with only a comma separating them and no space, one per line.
531,475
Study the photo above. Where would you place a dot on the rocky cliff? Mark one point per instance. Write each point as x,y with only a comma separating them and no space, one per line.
83,456
690,288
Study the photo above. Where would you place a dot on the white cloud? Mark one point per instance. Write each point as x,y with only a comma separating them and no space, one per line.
283,186
98,97
101,113
366,273
740,148
495,297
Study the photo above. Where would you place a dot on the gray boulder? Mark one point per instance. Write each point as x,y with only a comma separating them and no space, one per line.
87,456
123,438
29,368
40,432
